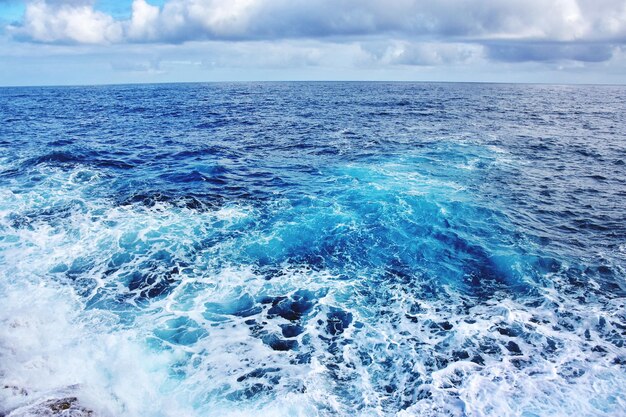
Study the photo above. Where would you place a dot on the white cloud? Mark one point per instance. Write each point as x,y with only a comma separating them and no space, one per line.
144,23
399,32
69,22
180,20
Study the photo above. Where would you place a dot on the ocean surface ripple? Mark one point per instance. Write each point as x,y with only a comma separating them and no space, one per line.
314,249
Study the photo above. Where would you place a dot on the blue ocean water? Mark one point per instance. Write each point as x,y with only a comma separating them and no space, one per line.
314,249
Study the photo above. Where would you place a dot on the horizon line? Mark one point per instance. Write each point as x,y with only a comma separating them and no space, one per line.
309,81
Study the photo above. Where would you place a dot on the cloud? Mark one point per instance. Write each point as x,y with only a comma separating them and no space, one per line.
550,52
427,32
144,23
431,54
296,59
73,21
563,20
141,66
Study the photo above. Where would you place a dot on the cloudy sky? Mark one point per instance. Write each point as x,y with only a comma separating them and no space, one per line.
117,41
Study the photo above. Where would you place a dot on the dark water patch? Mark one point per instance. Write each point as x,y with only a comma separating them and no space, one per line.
249,392
10,173
337,321
153,278
513,347
277,343
75,159
151,285
291,330
270,374
199,154
62,142
192,202
294,307
597,177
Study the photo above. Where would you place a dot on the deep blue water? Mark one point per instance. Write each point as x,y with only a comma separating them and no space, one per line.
368,249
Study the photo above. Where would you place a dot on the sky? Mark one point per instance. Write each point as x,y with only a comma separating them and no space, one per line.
61,42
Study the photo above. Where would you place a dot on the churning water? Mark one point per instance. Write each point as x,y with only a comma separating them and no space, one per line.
314,249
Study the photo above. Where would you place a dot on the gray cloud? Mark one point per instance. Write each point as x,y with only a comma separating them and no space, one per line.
412,53
299,59
429,32
563,20
550,52
430,54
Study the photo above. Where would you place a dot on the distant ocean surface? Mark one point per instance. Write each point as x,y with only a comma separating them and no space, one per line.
314,249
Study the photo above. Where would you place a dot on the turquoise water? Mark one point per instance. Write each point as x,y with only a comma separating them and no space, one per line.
314,249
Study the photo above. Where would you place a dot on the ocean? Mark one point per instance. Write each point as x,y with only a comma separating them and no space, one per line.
313,249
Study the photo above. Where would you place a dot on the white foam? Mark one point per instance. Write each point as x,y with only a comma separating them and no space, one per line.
51,347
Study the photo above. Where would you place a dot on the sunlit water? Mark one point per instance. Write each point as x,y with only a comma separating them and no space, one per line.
314,249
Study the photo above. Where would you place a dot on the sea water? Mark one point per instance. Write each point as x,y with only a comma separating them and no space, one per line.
314,249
